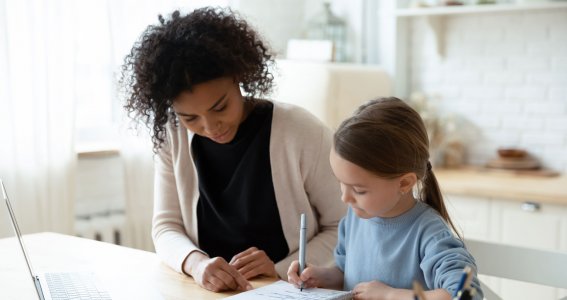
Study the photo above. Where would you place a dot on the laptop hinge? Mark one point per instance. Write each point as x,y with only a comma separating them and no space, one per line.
38,288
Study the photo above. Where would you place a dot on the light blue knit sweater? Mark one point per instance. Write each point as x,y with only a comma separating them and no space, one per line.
417,245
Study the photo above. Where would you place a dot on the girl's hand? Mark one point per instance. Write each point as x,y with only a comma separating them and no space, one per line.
214,274
253,262
311,276
374,290
377,290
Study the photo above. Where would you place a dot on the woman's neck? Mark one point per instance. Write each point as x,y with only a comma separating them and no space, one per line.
248,107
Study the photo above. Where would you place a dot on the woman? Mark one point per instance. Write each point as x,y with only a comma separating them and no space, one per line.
233,172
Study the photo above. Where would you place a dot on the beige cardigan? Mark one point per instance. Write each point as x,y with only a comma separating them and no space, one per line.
303,183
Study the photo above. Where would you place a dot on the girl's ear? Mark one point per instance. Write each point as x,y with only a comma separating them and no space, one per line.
407,182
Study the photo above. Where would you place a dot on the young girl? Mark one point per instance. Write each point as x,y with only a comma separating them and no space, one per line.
390,236
233,171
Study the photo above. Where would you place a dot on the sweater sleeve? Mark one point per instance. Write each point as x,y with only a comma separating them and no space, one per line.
323,192
443,259
325,196
171,241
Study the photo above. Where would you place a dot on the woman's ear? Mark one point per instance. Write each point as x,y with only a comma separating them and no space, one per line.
407,182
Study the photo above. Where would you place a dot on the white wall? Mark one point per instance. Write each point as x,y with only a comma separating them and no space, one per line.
281,20
277,20
506,73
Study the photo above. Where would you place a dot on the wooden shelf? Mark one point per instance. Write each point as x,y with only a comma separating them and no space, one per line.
396,31
478,9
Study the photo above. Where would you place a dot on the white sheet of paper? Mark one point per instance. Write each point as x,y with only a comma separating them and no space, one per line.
284,290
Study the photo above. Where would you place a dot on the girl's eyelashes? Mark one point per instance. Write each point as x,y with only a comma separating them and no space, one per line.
359,192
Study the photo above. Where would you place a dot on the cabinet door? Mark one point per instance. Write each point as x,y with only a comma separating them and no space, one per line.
563,248
471,215
532,225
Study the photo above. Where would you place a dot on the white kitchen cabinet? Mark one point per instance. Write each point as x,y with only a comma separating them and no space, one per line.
563,248
533,225
471,216
529,224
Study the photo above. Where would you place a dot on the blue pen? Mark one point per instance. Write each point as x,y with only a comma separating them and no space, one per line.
465,295
466,271
302,240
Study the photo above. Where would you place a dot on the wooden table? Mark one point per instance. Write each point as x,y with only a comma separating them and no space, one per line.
125,272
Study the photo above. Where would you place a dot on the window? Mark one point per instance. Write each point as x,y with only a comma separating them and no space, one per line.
106,31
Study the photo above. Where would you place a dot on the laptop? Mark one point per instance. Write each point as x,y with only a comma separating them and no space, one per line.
55,286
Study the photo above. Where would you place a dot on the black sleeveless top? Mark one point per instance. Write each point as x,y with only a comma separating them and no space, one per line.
237,205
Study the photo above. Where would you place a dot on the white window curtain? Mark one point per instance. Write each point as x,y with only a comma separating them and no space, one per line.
45,61
139,190
37,76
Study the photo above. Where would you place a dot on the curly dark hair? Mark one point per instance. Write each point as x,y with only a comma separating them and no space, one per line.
179,53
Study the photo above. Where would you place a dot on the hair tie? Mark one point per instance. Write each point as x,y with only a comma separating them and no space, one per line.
429,166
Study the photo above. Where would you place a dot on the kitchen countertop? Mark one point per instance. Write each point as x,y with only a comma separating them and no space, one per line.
470,181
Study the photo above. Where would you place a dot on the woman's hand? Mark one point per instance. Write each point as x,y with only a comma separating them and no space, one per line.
253,262
214,274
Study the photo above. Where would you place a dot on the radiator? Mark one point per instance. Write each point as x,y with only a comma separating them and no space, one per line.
108,227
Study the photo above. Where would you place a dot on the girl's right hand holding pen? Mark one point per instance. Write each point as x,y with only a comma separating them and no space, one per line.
314,276
308,277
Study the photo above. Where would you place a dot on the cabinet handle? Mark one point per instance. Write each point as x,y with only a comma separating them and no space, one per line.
531,206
